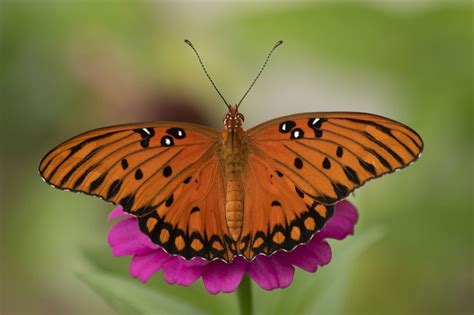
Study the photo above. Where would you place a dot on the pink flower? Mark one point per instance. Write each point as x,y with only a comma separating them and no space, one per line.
269,272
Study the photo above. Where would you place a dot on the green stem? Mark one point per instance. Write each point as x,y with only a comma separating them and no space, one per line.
244,293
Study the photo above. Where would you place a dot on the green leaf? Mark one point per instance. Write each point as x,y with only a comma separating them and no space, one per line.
128,296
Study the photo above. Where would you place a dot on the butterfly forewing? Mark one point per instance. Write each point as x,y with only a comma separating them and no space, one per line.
328,155
138,166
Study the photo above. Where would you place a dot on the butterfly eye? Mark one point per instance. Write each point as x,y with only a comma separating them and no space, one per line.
240,116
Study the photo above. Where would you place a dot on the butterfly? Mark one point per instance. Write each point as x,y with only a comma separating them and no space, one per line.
201,192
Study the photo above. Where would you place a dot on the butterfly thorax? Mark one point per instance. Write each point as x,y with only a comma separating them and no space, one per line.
233,156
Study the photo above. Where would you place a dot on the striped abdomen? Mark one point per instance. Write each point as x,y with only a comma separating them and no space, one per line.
234,198
234,207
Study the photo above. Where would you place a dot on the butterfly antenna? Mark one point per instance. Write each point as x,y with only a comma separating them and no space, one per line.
278,43
187,41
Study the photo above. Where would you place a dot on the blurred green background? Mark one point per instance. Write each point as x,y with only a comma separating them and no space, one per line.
67,67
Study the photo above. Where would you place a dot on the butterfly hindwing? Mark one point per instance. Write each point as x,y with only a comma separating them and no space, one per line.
277,214
328,155
191,222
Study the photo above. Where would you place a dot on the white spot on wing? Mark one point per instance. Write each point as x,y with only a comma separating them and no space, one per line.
146,131
315,121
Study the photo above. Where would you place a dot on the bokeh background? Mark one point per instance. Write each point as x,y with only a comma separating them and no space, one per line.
71,66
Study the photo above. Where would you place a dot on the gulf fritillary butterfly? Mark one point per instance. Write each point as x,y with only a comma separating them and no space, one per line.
199,192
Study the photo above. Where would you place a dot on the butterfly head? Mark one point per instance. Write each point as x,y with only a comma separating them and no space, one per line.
233,120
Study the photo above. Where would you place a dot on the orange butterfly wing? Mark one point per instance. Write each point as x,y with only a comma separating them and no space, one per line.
165,173
277,215
328,155
191,223
300,165
137,166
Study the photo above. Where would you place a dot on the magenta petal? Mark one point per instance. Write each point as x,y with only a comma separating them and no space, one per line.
184,272
310,256
117,213
342,222
271,272
125,238
276,271
144,266
222,277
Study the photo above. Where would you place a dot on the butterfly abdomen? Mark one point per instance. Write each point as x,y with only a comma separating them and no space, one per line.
234,208
233,158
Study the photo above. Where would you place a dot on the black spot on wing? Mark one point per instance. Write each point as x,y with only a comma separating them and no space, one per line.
124,164
315,124
146,134
138,174
326,163
167,171
96,183
169,201
286,126
114,188
351,175
76,148
127,202
167,141
298,163
145,143
368,167
177,133
299,192
340,190
297,133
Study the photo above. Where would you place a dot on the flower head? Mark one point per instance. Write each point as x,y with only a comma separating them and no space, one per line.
269,272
